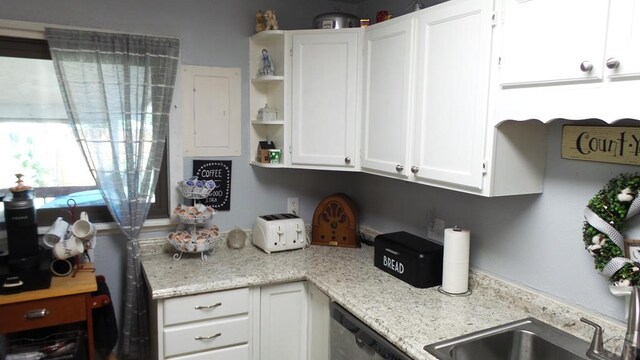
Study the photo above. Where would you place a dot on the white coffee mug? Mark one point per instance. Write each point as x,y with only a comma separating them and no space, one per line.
69,247
57,231
83,228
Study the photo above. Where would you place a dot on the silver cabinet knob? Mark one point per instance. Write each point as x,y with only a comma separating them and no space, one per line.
414,169
399,168
612,63
347,160
586,66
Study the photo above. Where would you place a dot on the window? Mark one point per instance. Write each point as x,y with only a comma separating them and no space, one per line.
37,141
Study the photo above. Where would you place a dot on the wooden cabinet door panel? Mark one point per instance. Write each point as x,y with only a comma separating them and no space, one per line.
324,85
546,41
387,99
205,335
206,306
623,39
283,321
454,51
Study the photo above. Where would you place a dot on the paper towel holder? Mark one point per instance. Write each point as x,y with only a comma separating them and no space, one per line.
442,291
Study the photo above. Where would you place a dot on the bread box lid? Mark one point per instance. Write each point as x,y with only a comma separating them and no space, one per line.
416,243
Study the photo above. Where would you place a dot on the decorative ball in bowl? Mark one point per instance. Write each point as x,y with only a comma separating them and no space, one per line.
193,242
197,214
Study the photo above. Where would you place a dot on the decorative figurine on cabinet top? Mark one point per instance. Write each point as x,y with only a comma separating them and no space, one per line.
271,22
266,67
260,25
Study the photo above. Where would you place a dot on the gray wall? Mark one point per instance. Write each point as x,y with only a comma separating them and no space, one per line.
531,240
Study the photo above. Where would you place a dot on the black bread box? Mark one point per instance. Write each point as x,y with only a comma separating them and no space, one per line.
412,259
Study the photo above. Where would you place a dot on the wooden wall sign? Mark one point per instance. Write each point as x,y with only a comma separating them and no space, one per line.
220,172
610,144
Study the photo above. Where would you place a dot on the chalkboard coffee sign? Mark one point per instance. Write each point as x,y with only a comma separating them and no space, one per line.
220,172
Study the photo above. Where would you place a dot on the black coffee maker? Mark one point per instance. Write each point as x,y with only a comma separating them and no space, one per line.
27,266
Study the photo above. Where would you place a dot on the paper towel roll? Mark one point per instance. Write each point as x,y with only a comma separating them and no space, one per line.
455,262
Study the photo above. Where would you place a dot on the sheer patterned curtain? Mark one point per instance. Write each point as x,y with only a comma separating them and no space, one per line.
117,90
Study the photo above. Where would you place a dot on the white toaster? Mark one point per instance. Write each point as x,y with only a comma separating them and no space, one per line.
279,232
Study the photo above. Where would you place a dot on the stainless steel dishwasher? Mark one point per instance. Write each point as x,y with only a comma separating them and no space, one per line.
351,339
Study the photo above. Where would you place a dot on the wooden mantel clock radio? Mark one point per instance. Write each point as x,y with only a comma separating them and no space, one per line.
335,222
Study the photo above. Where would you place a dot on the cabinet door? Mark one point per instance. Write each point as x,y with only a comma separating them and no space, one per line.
283,322
324,78
211,111
623,41
454,50
388,74
546,41
319,325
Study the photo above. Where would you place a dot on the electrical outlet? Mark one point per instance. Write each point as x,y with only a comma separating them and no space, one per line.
292,205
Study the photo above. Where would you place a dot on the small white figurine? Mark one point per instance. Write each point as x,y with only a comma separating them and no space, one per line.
267,68
270,20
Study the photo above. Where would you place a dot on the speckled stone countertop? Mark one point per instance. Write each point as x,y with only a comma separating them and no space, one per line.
408,317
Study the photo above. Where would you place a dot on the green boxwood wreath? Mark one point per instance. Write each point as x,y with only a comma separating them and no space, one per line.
612,204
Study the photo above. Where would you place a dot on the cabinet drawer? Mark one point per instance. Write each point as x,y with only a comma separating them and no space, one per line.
206,306
233,353
205,335
42,313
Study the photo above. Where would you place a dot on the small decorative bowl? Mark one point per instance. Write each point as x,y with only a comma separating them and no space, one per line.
197,214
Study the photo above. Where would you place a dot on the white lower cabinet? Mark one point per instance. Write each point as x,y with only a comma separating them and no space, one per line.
283,321
213,326
272,322
319,316
206,335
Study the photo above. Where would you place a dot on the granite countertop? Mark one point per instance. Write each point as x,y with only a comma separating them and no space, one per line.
408,317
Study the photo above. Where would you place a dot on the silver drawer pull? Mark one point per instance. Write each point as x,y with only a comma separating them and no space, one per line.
200,307
36,314
208,337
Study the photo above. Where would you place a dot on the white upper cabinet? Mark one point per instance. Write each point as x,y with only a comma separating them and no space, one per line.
550,41
622,57
572,59
387,113
452,93
324,98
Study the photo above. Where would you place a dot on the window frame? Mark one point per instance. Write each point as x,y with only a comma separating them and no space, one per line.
39,49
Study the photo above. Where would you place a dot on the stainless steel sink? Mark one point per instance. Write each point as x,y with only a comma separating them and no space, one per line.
526,339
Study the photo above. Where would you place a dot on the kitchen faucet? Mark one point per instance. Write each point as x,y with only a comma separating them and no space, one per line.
631,338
